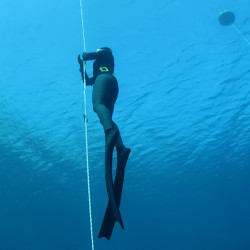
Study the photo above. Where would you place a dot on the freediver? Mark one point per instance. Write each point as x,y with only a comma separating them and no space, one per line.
104,96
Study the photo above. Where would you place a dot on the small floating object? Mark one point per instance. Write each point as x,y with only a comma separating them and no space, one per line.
227,18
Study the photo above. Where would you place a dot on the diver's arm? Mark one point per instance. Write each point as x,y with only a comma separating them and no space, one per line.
89,81
86,56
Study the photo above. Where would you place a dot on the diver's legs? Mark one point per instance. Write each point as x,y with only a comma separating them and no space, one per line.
104,95
104,115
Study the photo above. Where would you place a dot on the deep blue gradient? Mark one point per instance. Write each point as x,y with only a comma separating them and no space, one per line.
183,108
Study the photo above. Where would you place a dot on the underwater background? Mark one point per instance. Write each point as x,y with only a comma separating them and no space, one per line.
183,109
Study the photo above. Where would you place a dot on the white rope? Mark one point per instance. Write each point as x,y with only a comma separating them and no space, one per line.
86,135
236,28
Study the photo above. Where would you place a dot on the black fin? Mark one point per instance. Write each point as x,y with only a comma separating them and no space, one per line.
111,138
109,220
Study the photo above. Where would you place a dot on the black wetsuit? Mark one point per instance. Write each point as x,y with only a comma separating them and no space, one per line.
104,96
105,90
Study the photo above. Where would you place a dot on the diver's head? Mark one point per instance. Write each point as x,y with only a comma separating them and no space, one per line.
105,59
105,50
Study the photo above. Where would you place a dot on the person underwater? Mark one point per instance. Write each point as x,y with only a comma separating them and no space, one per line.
104,96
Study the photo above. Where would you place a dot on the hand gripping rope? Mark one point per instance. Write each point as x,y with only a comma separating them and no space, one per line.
86,135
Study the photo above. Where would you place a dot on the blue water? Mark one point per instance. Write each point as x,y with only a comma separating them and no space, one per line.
183,108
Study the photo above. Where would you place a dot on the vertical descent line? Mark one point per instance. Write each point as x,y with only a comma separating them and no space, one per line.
86,134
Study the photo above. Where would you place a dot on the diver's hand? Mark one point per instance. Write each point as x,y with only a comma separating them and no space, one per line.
80,61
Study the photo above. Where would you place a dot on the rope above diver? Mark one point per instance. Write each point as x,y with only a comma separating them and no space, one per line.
86,135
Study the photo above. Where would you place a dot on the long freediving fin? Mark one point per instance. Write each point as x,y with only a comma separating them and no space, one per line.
111,138
109,221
